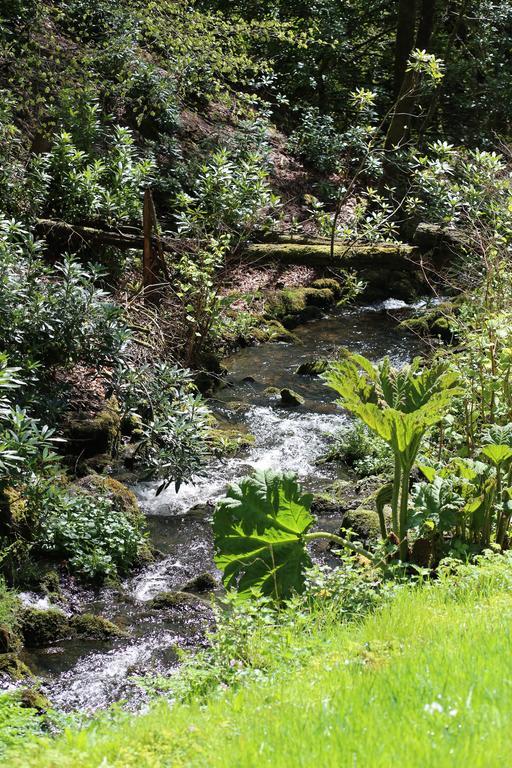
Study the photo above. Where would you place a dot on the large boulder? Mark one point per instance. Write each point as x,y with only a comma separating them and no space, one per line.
43,627
293,306
93,627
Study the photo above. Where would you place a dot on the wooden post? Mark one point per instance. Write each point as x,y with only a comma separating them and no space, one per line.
162,264
149,278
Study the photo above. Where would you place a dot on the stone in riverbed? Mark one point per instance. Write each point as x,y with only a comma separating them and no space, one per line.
43,627
312,367
205,582
89,435
173,600
289,397
121,497
9,640
12,668
31,698
95,627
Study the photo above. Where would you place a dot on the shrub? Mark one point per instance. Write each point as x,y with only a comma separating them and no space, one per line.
82,184
316,141
53,317
231,196
173,421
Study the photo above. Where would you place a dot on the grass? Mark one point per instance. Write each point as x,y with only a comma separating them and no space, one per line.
9,607
426,681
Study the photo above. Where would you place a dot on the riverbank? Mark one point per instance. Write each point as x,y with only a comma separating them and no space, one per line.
92,673
416,682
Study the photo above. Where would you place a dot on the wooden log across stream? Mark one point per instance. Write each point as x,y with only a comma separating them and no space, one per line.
316,252
386,268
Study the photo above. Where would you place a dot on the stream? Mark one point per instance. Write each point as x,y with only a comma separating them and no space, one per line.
89,675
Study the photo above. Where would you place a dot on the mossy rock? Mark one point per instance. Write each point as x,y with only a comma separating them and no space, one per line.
12,668
272,392
50,584
228,440
291,398
122,497
205,582
316,252
434,322
325,506
10,641
364,523
293,306
173,600
14,516
88,435
131,425
146,555
95,627
329,282
43,627
31,698
312,367
272,331
99,464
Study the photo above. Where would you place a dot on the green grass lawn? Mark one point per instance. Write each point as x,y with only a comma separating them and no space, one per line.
426,681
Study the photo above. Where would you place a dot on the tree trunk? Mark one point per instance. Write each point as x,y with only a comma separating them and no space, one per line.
426,25
399,128
405,37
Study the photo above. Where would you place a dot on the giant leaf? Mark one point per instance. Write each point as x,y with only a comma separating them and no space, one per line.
497,454
258,529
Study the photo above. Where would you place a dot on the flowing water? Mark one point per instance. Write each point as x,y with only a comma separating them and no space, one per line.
91,675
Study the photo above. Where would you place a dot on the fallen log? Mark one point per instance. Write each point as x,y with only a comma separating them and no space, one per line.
315,253
386,269
124,238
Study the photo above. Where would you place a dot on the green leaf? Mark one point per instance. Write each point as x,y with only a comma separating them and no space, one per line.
436,505
497,454
258,531
428,472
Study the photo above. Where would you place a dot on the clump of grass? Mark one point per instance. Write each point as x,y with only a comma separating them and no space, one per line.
361,450
9,607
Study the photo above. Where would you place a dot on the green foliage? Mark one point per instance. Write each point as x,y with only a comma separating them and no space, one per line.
173,421
316,141
360,449
436,507
198,294
208,52
231,196
259,533
17,722
9,607
83,185
399,406
53,317
94,535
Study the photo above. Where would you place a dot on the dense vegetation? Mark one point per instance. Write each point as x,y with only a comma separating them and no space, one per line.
146,149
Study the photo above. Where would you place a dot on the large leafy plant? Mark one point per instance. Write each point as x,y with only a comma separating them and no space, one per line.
399,405
261,531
